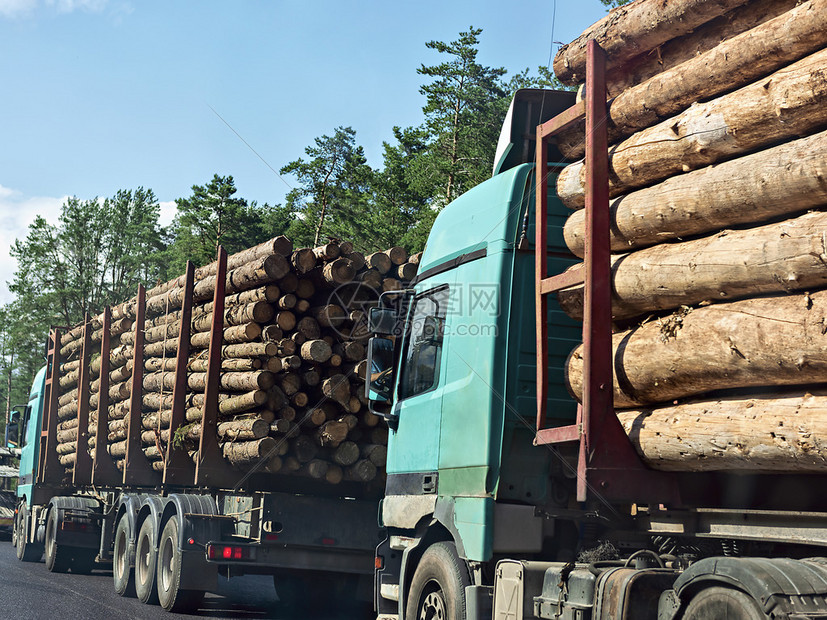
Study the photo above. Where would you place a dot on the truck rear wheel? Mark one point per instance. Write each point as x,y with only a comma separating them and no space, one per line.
146,557
717,602
438,586
26,551
168,577
123,576
58,557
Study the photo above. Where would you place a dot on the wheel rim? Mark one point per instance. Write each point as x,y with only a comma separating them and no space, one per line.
165,558
50,537
142,561
120,554
433,604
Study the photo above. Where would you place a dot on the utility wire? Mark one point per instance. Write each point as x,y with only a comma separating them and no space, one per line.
249,147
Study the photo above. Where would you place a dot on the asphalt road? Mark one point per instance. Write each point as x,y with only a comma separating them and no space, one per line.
28,590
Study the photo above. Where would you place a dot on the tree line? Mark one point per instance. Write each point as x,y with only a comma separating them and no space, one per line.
101,248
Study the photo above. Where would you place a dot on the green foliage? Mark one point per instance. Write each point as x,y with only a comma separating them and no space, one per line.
95,256
463,112
332,186
210,217
615,3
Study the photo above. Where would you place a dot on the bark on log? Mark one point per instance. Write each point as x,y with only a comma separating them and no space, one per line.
246,453
732,64
397,255
339,271
695,43
237,334
309,328
236,381
250,349
774,258
777,432
357,258
303,260
256,312
346,454
327,252
231,365
361,471
337,388
330,434
765,342
788,103
280,245
406,272
330,315
317,351
250,275
782,180
379,261
637,28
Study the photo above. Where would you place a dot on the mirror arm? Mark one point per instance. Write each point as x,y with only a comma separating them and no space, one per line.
391,418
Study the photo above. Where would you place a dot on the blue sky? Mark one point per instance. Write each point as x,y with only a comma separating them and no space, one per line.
101,95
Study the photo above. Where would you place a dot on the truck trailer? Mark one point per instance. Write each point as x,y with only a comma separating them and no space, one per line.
532,472
200,484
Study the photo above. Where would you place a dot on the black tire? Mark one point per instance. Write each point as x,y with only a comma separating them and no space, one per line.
718,602
58,557
26,551
168,576
438,586
123,560
145,563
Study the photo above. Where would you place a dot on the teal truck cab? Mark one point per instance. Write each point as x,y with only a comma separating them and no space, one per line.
482,520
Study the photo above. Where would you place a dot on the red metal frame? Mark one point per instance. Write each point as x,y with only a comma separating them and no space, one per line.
607,462
137,470
104,470
211,468
82,471
50,470
179,468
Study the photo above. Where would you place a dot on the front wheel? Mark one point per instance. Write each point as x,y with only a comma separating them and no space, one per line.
26,551
145,563
717,602
438,587
168,576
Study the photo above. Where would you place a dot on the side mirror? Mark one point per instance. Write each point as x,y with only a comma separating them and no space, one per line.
13,430
382,321
379,384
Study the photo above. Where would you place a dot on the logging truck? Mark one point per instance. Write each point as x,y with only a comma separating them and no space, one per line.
605,386
214,425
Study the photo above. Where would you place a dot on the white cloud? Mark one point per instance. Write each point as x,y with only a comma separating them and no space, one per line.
16,213
17,8
169,210
68,6
26,8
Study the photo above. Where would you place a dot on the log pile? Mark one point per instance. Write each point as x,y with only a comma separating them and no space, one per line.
291,387
717,168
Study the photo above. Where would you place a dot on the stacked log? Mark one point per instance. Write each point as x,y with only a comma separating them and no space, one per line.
291,385
717,171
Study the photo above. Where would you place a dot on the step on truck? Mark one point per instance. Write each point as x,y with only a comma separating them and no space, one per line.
172,524
507,497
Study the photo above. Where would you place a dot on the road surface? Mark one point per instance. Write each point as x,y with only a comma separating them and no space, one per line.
28,590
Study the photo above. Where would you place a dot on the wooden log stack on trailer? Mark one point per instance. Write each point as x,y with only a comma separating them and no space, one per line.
717,118
291,366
